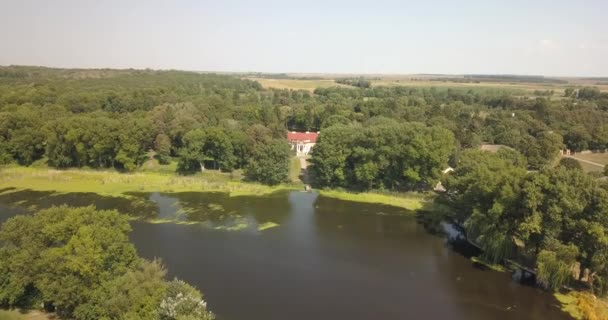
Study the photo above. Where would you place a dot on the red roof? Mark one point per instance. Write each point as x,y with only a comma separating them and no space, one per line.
302,136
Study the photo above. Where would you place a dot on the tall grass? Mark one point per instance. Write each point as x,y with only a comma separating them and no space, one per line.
410,200
583,305
116,184
295,170
112,183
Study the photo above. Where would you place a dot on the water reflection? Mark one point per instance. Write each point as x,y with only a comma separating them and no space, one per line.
220,210
212,210
36,200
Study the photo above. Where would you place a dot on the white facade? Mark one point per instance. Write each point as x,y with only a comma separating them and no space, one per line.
302,148
302,142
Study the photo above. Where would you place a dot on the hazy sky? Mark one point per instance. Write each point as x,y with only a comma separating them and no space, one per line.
565,38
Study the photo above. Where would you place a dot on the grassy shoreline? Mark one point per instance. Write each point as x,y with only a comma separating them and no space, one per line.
112,183
115,184
582,305
491,266
410,201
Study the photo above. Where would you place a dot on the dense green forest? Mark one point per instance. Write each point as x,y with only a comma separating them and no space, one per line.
79,263
554,218
111,118
381,154
517,203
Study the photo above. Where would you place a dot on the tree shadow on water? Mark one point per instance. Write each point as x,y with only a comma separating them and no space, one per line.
38,200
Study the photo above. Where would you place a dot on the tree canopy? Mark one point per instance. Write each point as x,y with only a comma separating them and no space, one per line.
381,154
79,262
556,217
112,118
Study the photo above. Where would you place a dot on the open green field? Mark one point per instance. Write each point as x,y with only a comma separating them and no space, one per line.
592,161
587,167
16,315
525,88
310,85
112,183
521,89
599,158
499,85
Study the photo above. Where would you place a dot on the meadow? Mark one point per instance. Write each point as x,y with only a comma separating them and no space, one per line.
592,161
599,157
17,315
526,87
112,183
116,184
420,81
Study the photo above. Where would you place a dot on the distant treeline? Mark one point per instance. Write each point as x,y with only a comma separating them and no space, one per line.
15,73
513,78
595,78
360,82
493,78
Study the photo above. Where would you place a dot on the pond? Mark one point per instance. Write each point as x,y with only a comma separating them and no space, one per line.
296,255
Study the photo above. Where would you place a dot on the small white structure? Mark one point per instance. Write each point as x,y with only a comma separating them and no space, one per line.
302,142
439,187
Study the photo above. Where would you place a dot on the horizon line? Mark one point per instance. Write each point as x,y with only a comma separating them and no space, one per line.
314,73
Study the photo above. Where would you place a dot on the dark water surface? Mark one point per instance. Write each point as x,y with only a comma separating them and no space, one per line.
326,259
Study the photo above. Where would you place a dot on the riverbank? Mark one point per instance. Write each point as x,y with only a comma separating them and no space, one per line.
410,201
112,183
115,184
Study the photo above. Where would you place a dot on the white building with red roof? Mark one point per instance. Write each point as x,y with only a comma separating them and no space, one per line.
302,142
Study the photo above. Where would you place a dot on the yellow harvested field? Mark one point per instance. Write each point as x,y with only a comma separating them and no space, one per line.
327,80
297,84
558,88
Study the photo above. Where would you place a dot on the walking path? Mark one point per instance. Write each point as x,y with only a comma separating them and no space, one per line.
586,161
303,167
